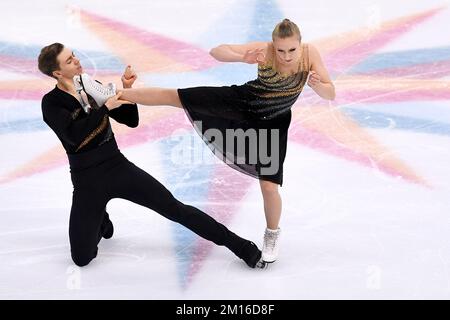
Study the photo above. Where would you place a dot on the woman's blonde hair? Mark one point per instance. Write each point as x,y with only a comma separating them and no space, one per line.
286,29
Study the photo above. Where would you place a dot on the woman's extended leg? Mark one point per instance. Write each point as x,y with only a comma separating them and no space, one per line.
152,96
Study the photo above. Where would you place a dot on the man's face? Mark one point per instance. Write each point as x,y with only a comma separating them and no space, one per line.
69,65
287,50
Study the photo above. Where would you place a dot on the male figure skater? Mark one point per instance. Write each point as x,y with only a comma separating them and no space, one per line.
100,172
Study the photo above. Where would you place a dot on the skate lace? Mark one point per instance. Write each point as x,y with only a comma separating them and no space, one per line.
100,88
78,83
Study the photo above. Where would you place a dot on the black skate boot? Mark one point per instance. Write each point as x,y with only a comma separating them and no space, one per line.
107,228
252,256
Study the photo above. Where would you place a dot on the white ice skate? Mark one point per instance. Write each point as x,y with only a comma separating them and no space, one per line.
83,99
270,245
95,89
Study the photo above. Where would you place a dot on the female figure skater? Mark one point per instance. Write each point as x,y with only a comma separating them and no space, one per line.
262,105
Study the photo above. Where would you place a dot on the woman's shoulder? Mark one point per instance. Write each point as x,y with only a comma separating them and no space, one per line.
312,49
310,52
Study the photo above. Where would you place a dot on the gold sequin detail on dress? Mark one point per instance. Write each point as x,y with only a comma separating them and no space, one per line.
276,93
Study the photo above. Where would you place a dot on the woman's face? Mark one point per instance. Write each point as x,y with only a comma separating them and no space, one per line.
287,50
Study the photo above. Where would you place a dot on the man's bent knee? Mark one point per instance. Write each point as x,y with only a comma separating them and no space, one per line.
83,258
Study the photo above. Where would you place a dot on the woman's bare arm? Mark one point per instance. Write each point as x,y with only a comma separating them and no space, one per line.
319,79
252,52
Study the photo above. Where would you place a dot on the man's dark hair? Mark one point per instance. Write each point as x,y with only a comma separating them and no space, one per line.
47,61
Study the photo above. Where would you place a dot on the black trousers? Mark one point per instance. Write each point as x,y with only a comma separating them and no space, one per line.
103,174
